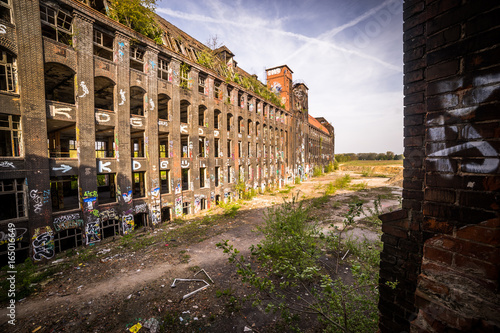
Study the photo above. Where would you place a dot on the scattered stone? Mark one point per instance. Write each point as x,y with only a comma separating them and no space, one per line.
153,324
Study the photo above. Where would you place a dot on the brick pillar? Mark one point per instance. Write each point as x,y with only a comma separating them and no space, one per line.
176,138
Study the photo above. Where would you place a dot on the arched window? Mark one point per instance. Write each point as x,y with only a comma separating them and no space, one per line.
59,83
103,93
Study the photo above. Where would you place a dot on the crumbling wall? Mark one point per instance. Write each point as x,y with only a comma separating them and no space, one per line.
443,246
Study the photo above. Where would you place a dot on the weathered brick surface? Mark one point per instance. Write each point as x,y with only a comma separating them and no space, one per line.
451,231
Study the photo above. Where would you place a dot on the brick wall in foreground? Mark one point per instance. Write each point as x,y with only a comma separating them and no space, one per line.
443,246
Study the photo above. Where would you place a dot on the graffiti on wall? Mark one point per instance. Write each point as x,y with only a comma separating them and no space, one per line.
43,243
39,199
127,223
178,206
65,222
18,235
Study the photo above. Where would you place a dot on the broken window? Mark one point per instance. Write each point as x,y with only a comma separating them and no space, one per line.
64,192
56,24
217,120
60,83
202,84
241,99
185,179
61,137
137,58
241,174
163,103
103,44
202,144
165,181
229,121
229,148
203,175
241,126
8,70
10,135
216,147
104,89
137,143
106,188
5,10
186,208
240,153
185,111
139,185
203,204
249,149
249,127
163,69
163,145
216,176
184,69
12,198
137,101
185,149
217,89
104,141
201,116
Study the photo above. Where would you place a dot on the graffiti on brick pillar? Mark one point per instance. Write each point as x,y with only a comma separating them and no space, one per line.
7,164
121,46
471,140
102,117
108,214
136,122
3,29
122,97
43,243
63,168
184,164
151,104
141,208
103,167
154,211
170,75
136,165
85,90
164,164
92,224
184,128
39,199
65,222
127,223
17,235
93,232
178,206
54,111
162,123
127,197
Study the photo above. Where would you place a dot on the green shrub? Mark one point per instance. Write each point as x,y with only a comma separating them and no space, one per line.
317,171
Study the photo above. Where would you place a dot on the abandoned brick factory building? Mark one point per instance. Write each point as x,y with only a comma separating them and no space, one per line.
104,130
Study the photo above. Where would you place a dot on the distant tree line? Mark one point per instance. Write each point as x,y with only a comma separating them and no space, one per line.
368,156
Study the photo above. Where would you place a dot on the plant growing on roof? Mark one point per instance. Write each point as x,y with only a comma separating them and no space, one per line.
137,15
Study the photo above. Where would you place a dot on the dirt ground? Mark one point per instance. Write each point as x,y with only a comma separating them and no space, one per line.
116,285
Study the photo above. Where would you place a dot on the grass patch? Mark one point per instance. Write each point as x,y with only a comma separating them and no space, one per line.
374,163
230,208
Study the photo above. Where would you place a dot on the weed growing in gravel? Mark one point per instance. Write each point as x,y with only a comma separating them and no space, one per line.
230,208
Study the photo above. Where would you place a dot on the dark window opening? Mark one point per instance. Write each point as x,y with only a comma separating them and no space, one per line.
185,151
241,99
229,177
249,127
165,181
163,146
68,239
106,188
163,101
104,90
217,199
203,173
229,148
217,119
166,214
216,176
137,101
10,135
216,147
202,142
185,179
229,121
104,141
201,116
103,45
139,185
240,154
64,192
202,84
163,69
5,10
140,220
8,71
60,84
203,204
137,58
184,111
61,137
186,208
56,24
217,90
12,199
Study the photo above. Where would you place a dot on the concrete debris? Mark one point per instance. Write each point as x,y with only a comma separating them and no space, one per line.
153,325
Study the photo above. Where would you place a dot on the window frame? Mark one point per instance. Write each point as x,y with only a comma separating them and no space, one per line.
15,147
59,29
8,7
10,69
19,189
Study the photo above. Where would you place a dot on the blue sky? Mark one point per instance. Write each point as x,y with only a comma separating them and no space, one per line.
348,52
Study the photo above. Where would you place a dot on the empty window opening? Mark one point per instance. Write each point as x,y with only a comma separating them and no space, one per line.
104,89
217,199
229,121
186,208
203,204
56,24
185,111
8,71
61,137
202,112
249,127
241,99
163,73
203,176
240,152
163,146
137,101
241,174
59,83
217,90
5,10
104,141
202,84
110,224
163,105
140,220
217,119
165,181
103,44
12,198
184,69
249,149
216,147
139,185
10,135
137,144
202,147
68,239
216,176
64,192
229,174
241,125
137,58
185,148
185,179
229,148
106,188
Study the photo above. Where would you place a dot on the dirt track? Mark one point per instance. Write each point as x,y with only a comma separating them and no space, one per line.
121,287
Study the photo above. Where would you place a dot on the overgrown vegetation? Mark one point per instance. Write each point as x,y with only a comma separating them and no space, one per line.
292,277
